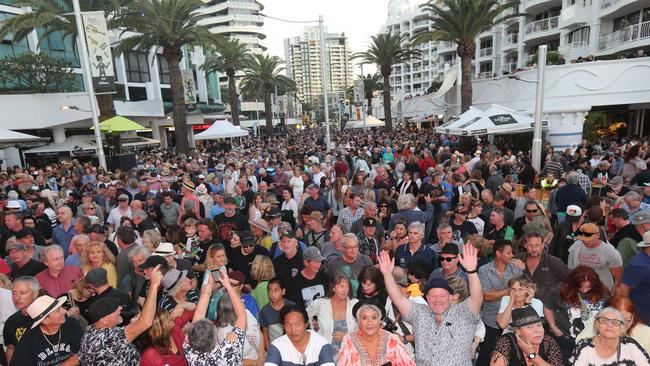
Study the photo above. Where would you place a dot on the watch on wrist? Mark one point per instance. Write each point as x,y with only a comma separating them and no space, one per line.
472,271
531,356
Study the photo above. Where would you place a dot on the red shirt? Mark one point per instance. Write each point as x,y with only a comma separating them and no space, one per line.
152,355
58,286
4,267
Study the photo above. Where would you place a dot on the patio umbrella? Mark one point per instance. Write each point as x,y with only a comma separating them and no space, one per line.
119,124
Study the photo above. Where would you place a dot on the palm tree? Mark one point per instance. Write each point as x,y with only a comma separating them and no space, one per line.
462,21
386,50
54,18
262,75
371,84
170,25
230,57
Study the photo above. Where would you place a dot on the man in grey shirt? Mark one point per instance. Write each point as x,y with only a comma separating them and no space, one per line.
169,210
442,332
350,262
494,282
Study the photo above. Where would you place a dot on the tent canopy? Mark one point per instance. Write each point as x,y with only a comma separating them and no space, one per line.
119,124
77,143
13,136
447,83
370,121
221,130
496,120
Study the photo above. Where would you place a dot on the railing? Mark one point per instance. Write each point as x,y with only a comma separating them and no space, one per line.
542,25
626,35
511,39
483,52
608,3
485,75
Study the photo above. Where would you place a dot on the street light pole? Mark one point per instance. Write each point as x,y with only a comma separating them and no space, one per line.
539,104
83,53
324,76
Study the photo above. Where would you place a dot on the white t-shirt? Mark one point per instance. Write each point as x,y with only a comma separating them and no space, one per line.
318,352
298,186
115,215
534,303
7,308
600,258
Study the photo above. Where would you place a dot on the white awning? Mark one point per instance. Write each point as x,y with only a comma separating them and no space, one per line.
494,121
13,136
370,121
72,144
221,130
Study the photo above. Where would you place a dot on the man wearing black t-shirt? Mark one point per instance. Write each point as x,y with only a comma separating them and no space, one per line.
311,283
460,227
54,339
23,264
230,221
247,195
289,263
24,291
241,259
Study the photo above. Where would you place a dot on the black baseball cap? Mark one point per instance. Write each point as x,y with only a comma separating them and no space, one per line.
97,229
370,221
438,282
153,261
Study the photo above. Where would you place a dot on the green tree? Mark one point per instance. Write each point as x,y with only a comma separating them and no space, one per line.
36,73
371,84
462,21
386,50
261,76
435,85
229,56
54,18
170,25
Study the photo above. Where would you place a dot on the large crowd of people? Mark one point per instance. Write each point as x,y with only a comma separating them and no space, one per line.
392,248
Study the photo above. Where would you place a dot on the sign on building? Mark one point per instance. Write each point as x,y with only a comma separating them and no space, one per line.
99,50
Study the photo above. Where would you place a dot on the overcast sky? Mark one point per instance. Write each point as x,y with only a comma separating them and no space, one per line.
359,19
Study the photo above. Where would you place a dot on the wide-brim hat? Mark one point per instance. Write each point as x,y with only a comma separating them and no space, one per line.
164,249
201,189
188,185
368,301
42,307
261,224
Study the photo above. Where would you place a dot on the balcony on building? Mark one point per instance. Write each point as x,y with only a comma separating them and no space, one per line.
575,14
535,6
510,41
485,52
542,28
630,37
446,47
576,44
614,7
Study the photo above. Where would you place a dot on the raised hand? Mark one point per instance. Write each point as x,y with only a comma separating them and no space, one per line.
156,276
225,280
469,259
386,264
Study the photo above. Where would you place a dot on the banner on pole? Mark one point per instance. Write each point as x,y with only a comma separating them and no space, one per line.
189,86
99,50
358,92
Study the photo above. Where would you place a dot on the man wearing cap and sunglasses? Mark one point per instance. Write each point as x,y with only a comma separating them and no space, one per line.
588,250
116,214
53,339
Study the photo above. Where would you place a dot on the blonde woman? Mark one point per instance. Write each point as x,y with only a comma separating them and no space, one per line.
262,272
97,255
522,293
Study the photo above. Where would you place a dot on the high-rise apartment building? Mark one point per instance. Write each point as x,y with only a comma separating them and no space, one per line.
238,19
573,28
302,55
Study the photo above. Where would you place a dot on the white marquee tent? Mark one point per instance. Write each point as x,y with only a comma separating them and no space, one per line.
496,120
221,130
72,144
7,136
370,121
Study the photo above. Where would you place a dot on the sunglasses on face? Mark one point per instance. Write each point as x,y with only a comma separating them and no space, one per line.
447,259
582,233
531,211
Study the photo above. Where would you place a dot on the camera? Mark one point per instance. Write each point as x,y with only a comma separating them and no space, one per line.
388,325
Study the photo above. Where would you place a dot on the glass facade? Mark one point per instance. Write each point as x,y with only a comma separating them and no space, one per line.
137,67
163,70
9,48
56,46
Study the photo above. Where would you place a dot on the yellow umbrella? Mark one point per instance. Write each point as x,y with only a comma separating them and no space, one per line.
119,124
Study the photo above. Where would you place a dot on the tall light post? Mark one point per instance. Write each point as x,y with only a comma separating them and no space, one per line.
539,104
324,83
536,152
85,70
